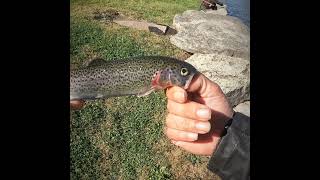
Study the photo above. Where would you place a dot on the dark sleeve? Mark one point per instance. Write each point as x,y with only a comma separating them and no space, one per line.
231,160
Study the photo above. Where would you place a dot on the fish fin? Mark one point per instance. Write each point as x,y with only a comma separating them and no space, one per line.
145,93
95,62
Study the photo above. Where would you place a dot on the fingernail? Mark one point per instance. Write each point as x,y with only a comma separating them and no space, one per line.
202,126
204,113
193,136
179,95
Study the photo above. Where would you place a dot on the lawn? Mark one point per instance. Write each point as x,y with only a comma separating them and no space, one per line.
122,137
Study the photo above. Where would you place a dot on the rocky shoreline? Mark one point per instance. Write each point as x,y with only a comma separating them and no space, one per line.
221,50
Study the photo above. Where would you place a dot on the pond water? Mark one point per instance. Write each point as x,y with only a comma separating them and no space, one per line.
239,9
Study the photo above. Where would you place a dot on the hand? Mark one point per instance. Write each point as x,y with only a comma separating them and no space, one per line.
76,104
197,116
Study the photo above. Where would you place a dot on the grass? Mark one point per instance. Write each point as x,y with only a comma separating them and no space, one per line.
122,137
115,138
158,11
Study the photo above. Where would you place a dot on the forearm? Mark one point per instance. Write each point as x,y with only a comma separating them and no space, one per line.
231,160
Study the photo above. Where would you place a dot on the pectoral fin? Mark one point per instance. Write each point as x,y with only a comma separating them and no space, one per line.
146,92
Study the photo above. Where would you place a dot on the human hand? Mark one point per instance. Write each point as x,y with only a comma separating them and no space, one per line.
76,104
197,116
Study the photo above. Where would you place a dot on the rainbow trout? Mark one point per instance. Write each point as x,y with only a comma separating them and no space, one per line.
134,76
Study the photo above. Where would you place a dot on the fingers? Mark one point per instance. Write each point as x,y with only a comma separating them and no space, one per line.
77,104
190,110
185,124
180,135
199,147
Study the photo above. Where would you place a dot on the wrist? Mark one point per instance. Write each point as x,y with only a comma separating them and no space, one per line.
218,140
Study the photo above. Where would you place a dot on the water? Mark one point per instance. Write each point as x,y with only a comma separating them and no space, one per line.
239,9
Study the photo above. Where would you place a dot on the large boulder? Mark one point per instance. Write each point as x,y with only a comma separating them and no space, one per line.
210,32
221,11
232,74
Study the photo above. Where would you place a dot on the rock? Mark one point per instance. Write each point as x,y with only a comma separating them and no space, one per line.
243,108
143,25
232,74
206,33
211,4
221,11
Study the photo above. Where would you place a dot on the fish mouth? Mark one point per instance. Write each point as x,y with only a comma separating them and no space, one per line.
188,82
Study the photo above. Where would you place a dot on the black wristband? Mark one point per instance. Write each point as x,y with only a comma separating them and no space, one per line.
227,125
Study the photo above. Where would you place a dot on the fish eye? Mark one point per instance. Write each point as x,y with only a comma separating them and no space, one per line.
184,71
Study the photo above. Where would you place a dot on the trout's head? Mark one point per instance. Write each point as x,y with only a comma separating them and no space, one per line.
177,74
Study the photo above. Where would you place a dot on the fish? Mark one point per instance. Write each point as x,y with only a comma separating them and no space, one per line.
139,76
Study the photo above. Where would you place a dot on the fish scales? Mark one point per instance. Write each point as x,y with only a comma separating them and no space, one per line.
132,76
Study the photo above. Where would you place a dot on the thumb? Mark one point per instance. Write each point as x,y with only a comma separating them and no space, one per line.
204,87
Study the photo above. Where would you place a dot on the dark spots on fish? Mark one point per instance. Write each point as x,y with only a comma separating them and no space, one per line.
123,76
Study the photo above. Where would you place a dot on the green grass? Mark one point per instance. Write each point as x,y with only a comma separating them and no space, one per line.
127,128
90,39
158,11
122,137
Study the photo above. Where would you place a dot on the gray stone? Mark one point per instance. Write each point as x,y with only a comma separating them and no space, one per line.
243,108
203,32
232,74
222,10
142,25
